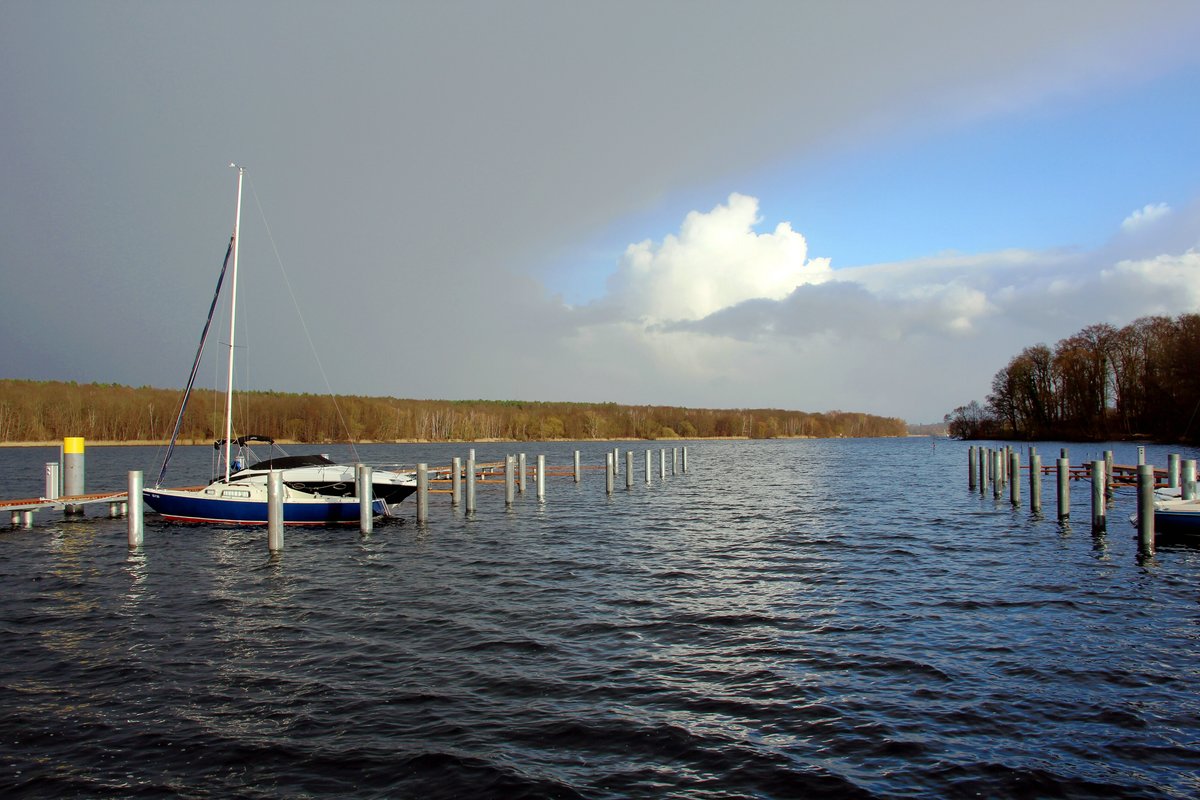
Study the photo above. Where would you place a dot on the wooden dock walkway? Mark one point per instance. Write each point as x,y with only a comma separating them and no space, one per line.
493,473
1122,474
22,510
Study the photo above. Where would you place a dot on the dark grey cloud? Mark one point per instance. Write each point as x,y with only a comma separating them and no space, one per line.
415,160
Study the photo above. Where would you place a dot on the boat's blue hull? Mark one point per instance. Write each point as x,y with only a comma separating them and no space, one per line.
178,506
1177,521
1175,517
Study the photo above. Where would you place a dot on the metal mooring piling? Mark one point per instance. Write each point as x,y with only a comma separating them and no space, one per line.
133,522
1035,482
1014,483
1145,477
1064,488
471,483
366,500
422,493
275,511
456,481
73,471
1099,486
509,491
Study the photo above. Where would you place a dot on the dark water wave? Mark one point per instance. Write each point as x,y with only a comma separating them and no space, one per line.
790,619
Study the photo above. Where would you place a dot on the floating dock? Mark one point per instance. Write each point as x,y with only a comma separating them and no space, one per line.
22,510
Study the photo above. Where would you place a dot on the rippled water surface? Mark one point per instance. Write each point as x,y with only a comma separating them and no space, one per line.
788,619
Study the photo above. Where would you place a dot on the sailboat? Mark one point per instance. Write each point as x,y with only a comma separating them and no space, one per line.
316,473
316,490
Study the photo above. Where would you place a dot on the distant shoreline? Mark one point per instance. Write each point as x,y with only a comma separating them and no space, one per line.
38,413
292,443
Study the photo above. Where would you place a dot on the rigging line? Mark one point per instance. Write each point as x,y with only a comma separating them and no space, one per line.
303,324
191,381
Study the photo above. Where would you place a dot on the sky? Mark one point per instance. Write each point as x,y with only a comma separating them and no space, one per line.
863,206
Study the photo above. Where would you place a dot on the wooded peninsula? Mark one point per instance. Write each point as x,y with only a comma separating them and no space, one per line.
46,411
1140,381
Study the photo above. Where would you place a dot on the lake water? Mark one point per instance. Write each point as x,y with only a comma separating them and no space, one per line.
802,618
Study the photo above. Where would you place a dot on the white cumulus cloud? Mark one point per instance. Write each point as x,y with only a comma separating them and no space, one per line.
1165,284
722,311
717,260
1145,215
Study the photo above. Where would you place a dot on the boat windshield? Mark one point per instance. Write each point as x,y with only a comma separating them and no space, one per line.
290,462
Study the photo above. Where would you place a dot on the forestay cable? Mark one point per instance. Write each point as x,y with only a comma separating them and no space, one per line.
303,324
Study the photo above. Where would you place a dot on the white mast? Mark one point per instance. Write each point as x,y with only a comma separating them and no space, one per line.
237,221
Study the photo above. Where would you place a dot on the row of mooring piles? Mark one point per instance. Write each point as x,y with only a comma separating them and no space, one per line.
515,480
464,478
1000,469
516,474
997,468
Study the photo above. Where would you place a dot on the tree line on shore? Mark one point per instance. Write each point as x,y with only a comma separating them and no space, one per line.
40,411
1141,380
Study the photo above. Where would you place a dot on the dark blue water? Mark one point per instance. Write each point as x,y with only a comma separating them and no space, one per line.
789,619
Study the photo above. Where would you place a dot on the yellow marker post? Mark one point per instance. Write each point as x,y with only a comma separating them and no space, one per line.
73,472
